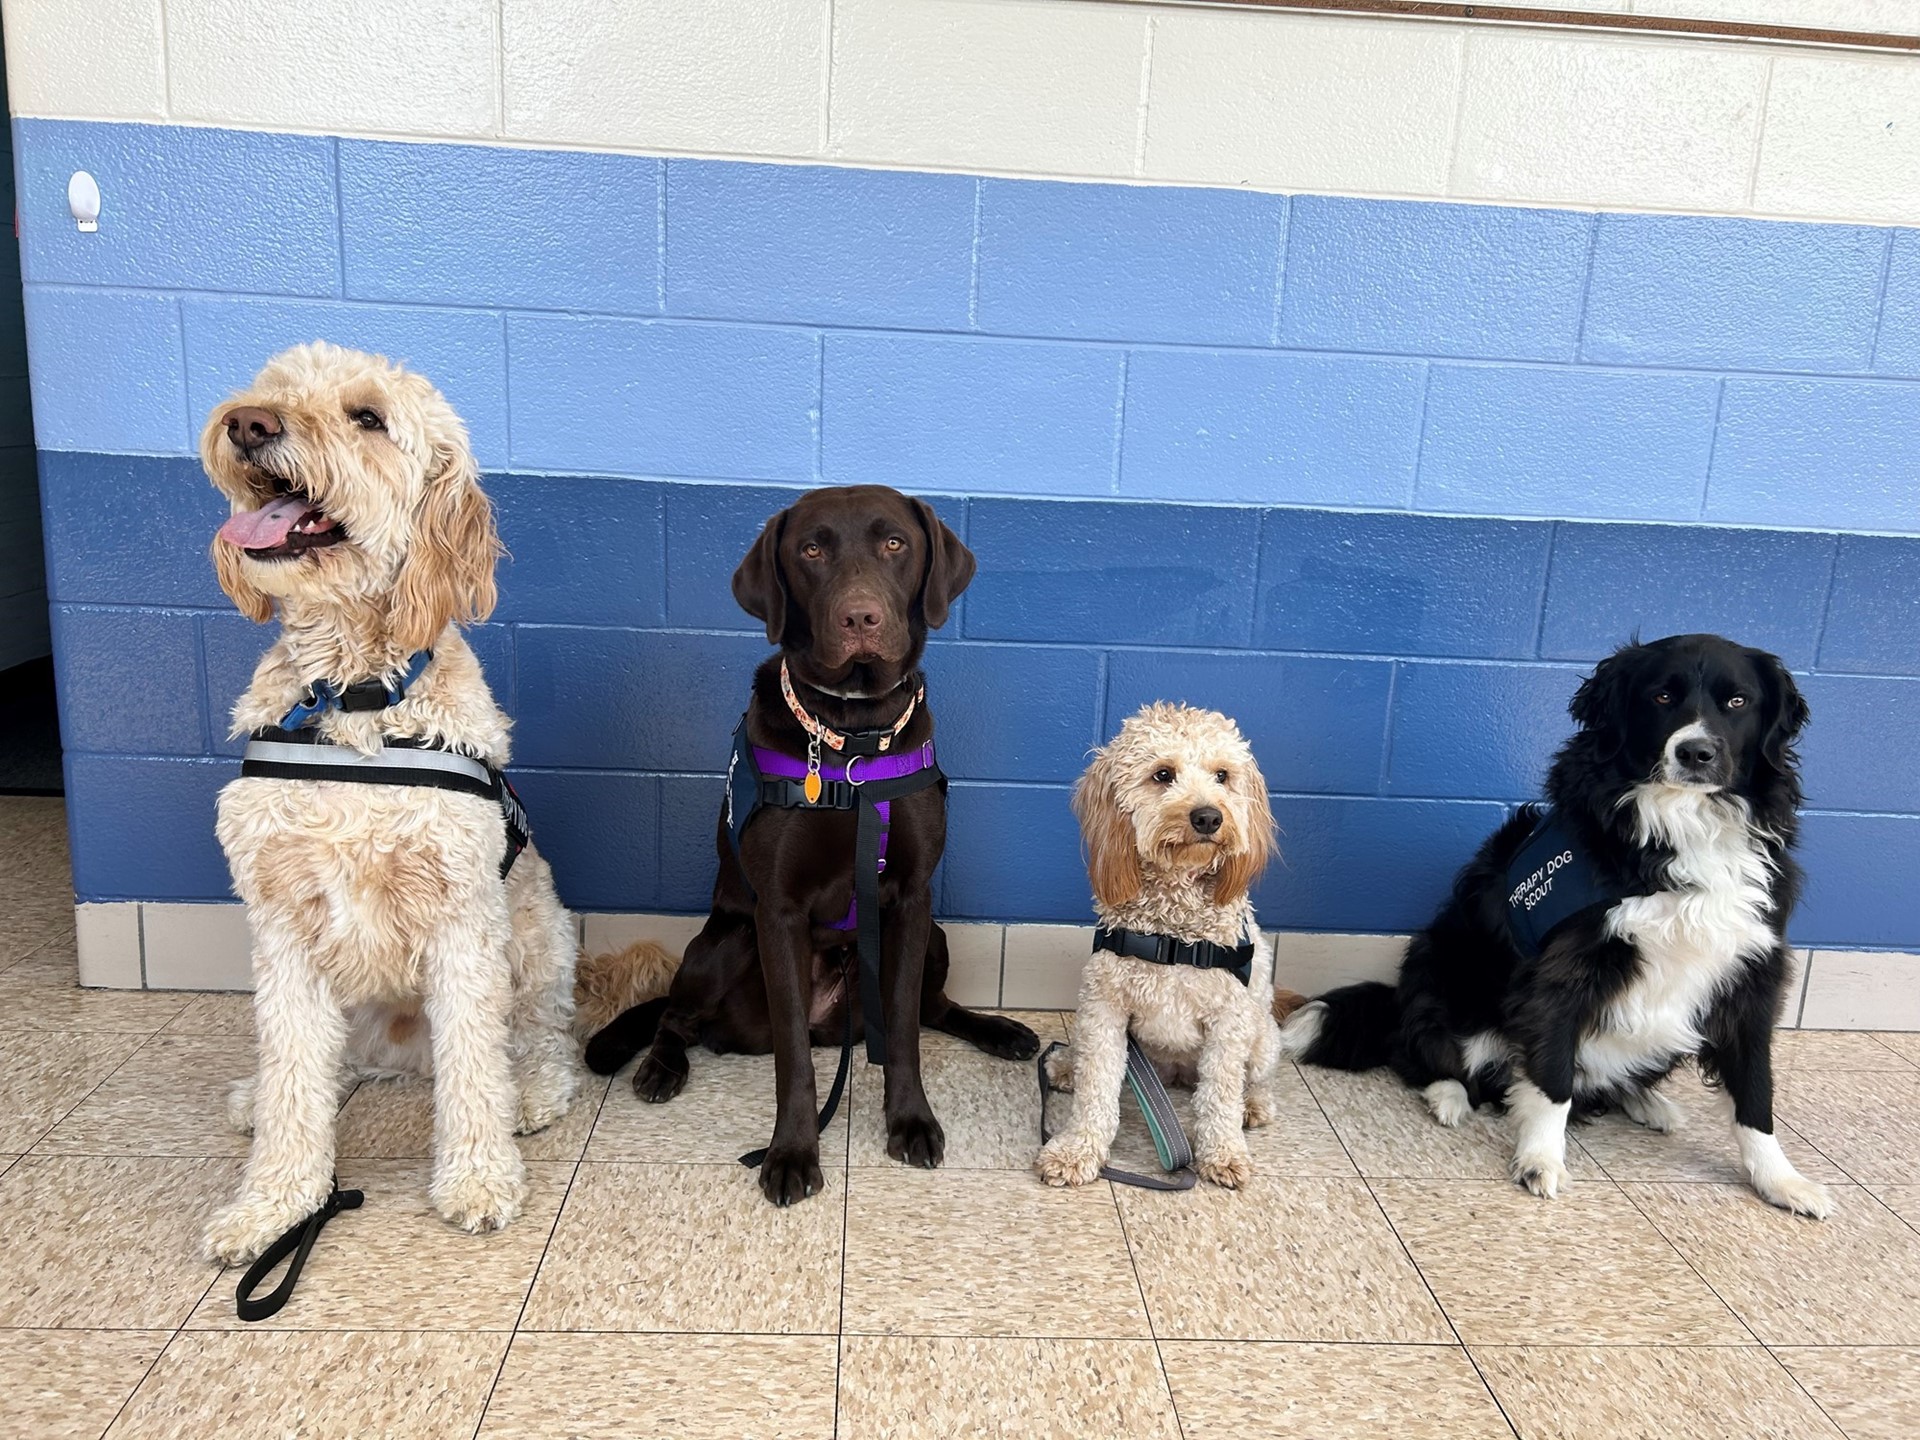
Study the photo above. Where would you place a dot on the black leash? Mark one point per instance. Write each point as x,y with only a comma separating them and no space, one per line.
297,1242
753,1158
1156,1107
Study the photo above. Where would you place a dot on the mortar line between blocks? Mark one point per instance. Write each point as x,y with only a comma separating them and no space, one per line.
1880,305
1713,447
1760,134
1826,606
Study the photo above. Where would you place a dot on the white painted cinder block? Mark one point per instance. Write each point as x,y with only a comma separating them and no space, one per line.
1299,103
1862,990
1311,964
415,67
1842,138
604,934
107,936
1608,122
742,77
197,947
91,59
1016,85
1043,965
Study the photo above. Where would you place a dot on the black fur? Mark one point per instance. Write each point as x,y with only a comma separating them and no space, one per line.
1463,975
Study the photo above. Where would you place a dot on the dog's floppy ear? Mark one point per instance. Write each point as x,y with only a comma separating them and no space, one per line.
1599,706
448,572
758,586
1113,864
1787,713
950,567
1258,845
253,602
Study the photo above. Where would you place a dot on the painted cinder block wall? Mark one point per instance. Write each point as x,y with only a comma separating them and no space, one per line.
1360,411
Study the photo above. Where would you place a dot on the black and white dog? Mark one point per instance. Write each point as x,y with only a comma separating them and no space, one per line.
1591,946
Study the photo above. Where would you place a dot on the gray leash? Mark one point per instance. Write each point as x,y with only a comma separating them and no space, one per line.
1156,1108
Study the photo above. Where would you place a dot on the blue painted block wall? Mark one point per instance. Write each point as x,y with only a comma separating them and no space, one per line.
1381,479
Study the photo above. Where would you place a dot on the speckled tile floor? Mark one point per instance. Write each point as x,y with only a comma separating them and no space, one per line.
1378,1278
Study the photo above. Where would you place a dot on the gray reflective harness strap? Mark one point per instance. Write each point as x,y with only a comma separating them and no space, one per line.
1156,1108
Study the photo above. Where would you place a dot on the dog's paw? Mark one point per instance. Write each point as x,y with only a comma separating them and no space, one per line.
655,1083
790,1176
1653,1110
1069,1159
1448,1101
1006,1039
1259,1110
240,1105
1229,1169
917,1140
243,1229
1060,1070
1544,1175
475,1199
547,1097
1797,1193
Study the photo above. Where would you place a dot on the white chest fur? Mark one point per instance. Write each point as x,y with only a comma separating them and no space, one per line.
1692,939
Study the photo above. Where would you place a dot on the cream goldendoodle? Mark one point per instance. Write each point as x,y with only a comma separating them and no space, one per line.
1175,817
386,939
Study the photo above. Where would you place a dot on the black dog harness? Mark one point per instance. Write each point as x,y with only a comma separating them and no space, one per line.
292,750
1549,882
1237,960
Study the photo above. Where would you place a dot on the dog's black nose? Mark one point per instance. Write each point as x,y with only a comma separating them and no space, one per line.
1205,820
860,613
1698,752
249,427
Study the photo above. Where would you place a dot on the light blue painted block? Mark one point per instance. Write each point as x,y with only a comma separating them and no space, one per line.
1843,454
109,372
1897,351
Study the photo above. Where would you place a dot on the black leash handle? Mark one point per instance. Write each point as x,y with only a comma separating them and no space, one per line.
1182,1178
754,1158
297,1242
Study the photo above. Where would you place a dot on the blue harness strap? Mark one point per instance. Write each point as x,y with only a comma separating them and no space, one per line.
377,694
1550,882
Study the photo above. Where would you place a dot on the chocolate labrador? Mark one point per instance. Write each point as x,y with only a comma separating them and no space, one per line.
847,581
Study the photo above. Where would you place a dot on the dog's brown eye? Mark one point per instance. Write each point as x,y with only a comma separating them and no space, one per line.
810,551
367,419
1163,776
1663,698
1734,702
895,543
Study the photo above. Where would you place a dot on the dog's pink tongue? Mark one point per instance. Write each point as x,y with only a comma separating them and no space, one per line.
266,527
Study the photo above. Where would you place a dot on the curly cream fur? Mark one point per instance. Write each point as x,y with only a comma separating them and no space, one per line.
384,941
607,985
1152,871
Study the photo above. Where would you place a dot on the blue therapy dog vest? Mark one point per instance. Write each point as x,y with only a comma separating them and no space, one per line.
1550,882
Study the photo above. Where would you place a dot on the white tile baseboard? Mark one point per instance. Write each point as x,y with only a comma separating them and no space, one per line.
167,946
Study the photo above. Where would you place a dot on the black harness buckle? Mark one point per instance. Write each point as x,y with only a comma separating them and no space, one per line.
364,695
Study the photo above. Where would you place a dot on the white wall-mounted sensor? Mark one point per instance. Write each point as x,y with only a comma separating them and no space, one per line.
83,199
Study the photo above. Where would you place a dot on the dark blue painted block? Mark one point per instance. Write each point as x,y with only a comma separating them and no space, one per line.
1368,865
1401,584
1858,751
819,244
629,699
1129,262
1112,574
1013,712
102,538
709,531
1013,853
230,646
1859,870
1743,294
1284,429
1898,349
638,397
1412,277
482,225
1873,617
1314,725
1477,731
109,372
1759,587
931,412
181,207
1513,441
463,352
580,551
129,681
142,829
1839,454
689,836
599,831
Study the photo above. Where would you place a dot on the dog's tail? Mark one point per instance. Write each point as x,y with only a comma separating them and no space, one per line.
1351,1028
618,1000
